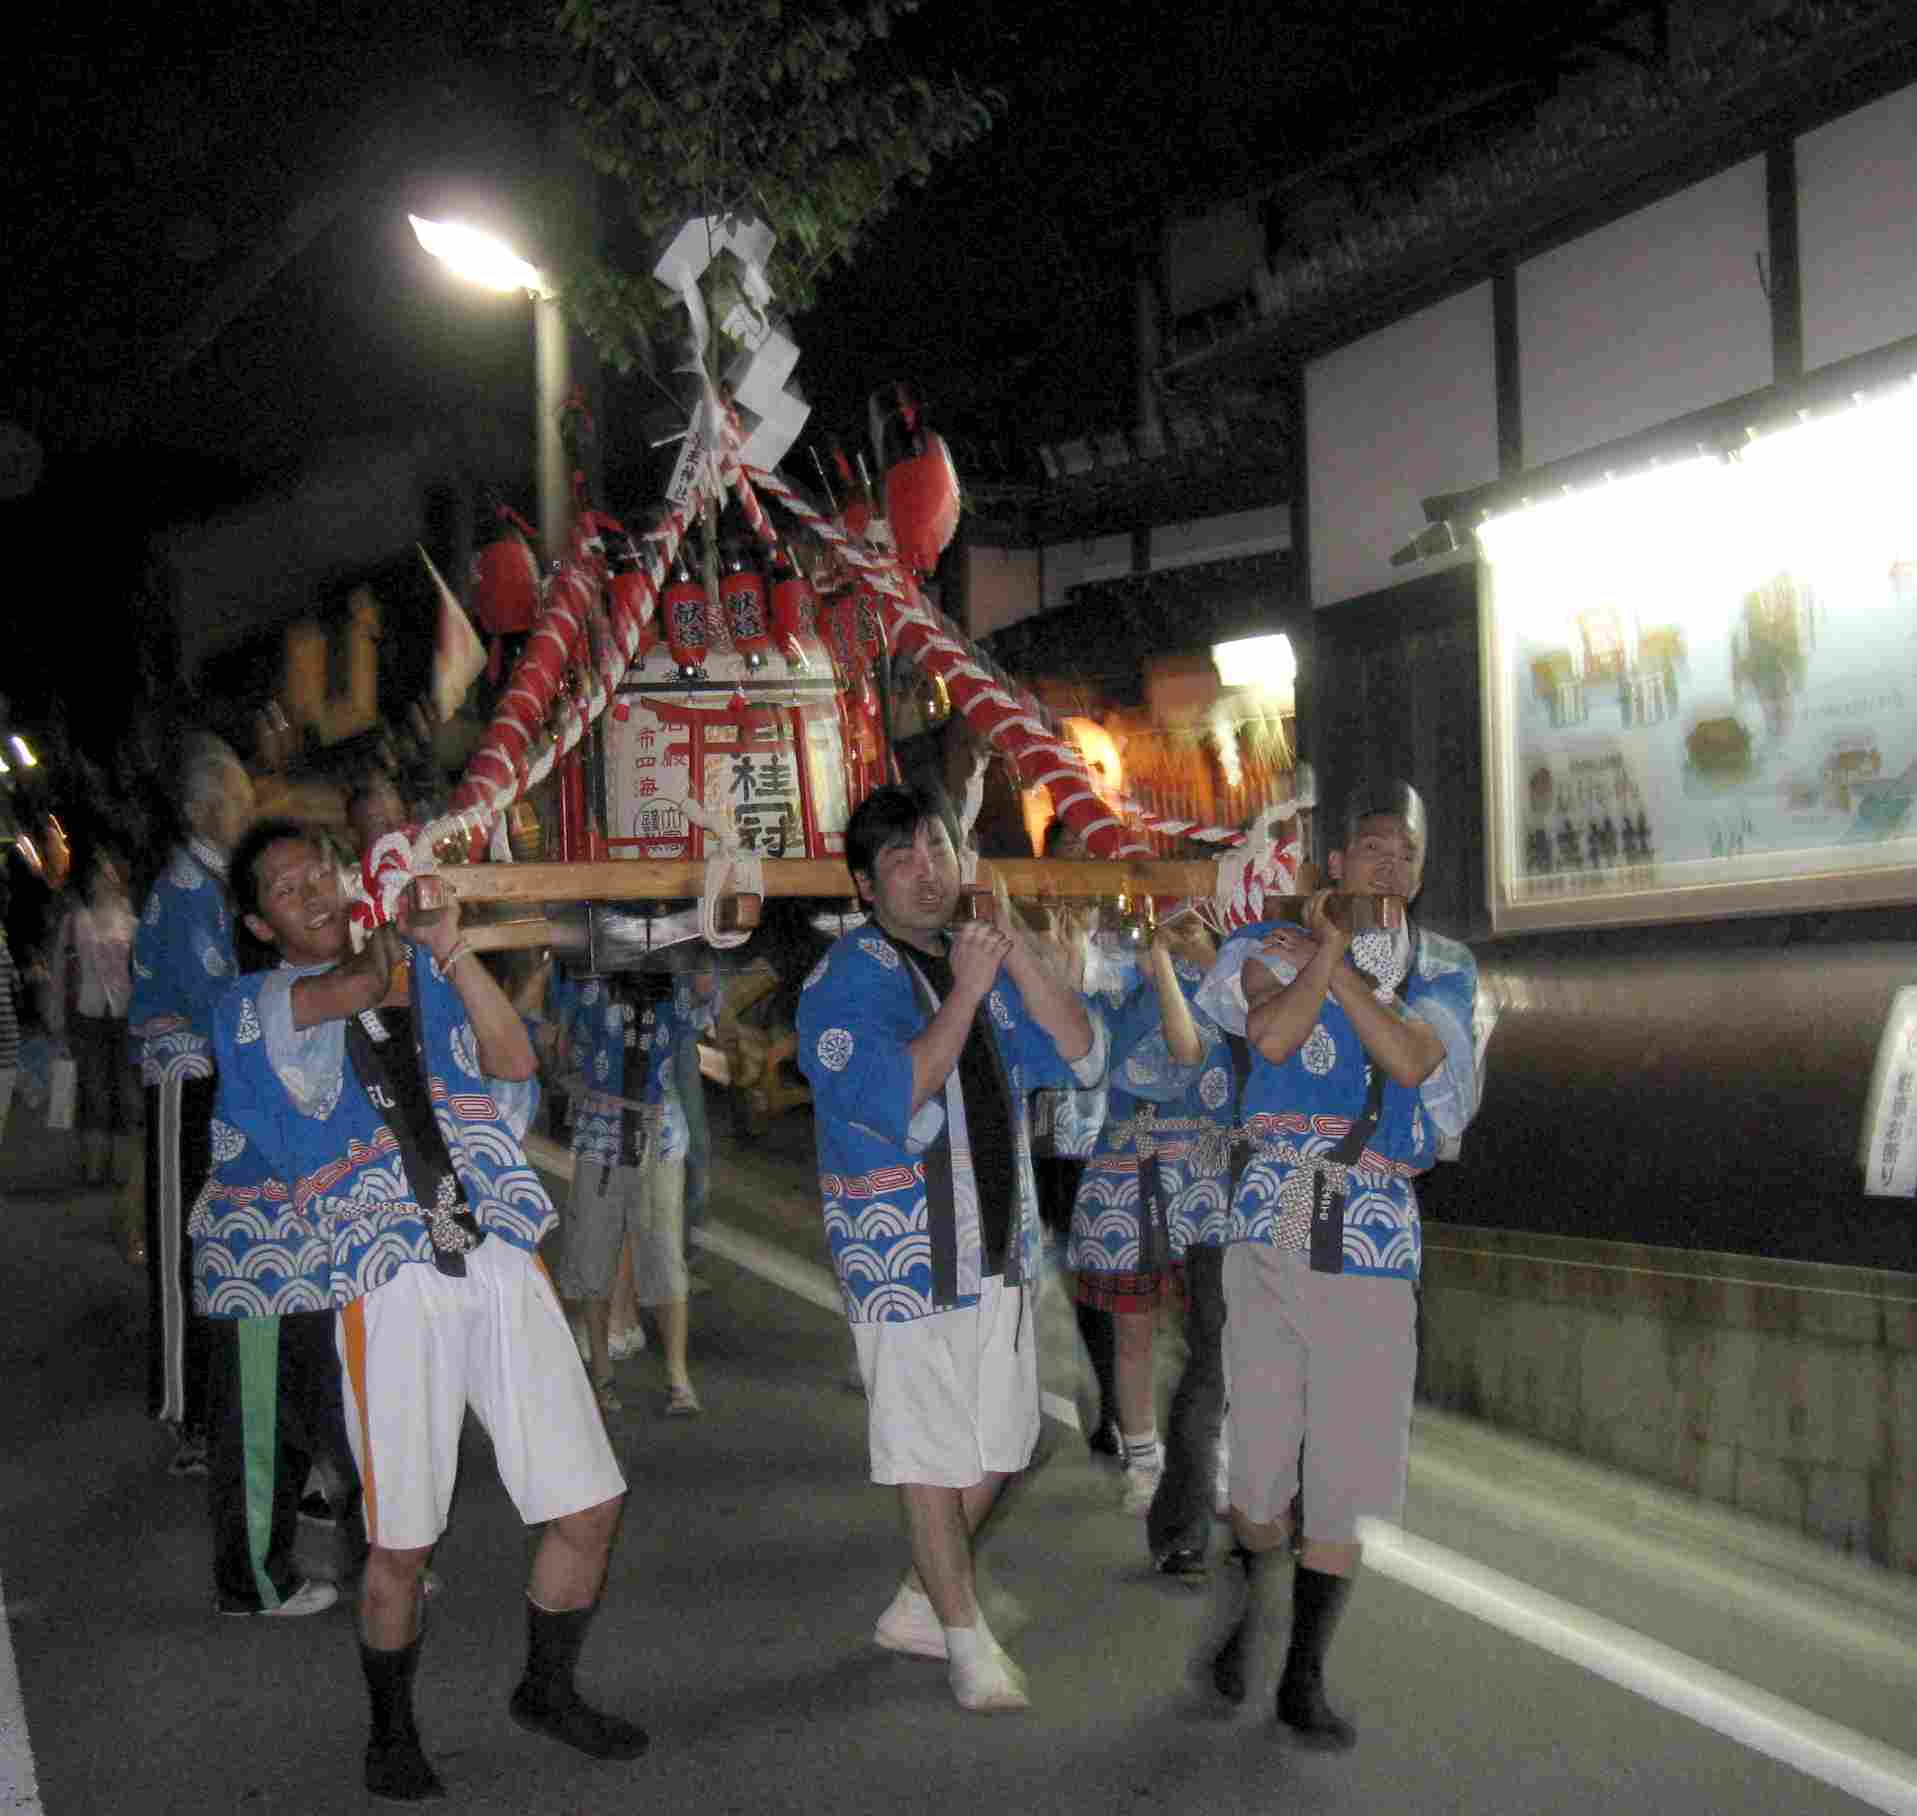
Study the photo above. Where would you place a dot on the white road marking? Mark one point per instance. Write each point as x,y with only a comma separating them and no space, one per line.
803,1279
1867,1769
19,1787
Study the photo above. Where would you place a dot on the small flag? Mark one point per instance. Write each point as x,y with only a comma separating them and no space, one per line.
458,655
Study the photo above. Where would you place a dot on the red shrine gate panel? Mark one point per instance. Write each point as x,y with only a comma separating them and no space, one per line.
773,757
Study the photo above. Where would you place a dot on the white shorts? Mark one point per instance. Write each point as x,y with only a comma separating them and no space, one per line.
953,1397
416,1352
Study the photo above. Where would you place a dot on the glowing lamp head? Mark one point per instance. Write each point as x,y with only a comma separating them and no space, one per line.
1262,662
478,257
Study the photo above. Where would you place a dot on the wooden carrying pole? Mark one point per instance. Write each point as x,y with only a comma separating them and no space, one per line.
645,880
532,886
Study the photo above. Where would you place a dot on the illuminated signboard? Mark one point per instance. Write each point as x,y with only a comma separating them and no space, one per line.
1701,683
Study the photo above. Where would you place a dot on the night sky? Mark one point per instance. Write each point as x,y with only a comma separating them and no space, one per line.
157,151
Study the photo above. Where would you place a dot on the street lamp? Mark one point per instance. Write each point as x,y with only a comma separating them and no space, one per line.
483,260
1262,662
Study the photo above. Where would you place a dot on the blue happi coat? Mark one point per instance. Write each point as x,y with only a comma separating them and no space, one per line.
623,1055
182,963
308,1199
1066,1123
897,1259
1295,1114
1164,1120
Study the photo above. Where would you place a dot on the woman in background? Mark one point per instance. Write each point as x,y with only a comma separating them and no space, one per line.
87,999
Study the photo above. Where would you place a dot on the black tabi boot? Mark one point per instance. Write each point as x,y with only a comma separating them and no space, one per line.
396,1768
1101,1350
1243,1660
1317,1599
546,1701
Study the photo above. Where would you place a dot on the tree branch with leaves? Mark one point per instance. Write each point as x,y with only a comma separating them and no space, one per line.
808,118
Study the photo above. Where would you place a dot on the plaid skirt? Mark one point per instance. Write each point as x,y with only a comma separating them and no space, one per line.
1132,1294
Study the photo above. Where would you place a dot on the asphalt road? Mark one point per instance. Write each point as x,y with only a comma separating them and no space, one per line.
755,1556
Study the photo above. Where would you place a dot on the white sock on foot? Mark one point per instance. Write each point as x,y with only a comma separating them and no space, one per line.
983,1679
1140,1449
909,1624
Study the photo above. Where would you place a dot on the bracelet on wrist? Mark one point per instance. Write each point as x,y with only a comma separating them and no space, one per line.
458,952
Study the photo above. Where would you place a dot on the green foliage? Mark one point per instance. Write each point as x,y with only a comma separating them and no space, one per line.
800,114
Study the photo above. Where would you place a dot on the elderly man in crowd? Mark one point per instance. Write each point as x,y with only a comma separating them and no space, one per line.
182,959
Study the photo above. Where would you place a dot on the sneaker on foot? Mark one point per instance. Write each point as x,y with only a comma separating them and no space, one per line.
311,1597
1139,1486
189,1459
577,1724
316,1510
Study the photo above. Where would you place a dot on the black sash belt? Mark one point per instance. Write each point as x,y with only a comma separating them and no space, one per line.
986,1091
384,1049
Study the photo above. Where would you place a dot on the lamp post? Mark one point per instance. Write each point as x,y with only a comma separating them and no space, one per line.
489,262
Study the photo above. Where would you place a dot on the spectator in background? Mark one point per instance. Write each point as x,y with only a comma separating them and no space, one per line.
559,1003
695,1003
9,1022
90,986
30,923
373,809
182,960
624,1225
1065,1126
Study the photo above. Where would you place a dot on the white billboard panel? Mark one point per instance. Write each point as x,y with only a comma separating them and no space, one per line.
1389,420
1857,229
1650,317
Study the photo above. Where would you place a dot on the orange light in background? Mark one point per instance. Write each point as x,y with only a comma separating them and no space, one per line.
1035,809
1100,751
1095,745
58,860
